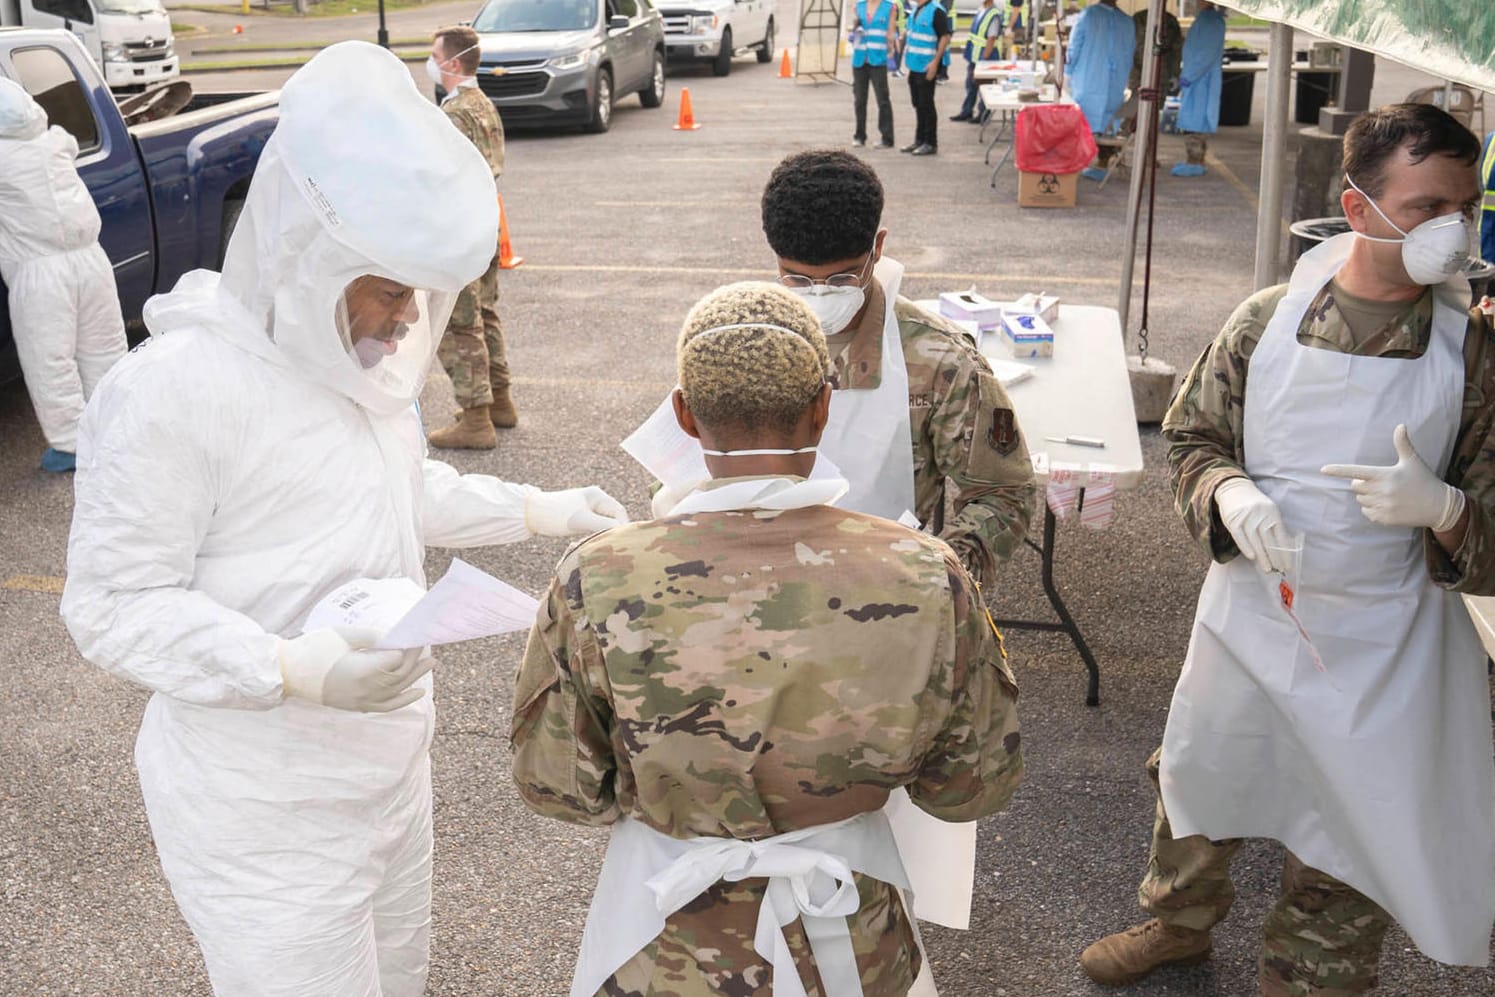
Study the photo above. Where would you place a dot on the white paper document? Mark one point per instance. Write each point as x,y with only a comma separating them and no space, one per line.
940,859
466,604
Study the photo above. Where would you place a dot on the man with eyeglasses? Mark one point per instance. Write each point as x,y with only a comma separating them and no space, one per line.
916,410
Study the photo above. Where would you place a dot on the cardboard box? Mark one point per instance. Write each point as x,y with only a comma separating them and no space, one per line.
968,306
1046,190
1026,335
1045,306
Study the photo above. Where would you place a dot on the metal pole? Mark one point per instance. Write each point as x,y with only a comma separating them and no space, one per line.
1143,155
1273,153
383,31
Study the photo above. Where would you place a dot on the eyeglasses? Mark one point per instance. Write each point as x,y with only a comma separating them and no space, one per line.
799,282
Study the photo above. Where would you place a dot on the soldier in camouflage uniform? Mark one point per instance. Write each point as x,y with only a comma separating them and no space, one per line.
472,348
755,663
822,213
1323,937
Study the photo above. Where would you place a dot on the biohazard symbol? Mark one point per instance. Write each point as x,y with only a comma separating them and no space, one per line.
1048,184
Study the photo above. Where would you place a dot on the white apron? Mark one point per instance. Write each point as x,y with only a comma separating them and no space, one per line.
1377,770
647,876
868,438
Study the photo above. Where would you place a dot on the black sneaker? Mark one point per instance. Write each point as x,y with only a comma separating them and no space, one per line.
925,150
961,117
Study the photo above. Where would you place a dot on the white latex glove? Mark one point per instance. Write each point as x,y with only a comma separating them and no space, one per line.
1406,493
664,500
1254,523
572,511
333,668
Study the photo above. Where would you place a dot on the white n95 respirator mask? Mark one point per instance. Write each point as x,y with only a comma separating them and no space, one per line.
835,307
1431,252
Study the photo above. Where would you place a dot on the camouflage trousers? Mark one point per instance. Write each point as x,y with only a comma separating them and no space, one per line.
472,348
1323,937
1195,148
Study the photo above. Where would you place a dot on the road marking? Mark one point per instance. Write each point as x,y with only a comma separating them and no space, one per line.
1246,192
34,583
1033,280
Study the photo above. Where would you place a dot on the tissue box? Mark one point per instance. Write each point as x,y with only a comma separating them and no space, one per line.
1026,335
1045,306
968,306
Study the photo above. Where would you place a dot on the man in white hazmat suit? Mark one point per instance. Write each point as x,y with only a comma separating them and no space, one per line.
260,451
64,307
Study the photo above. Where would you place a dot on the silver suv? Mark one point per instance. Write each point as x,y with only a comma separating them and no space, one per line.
569,61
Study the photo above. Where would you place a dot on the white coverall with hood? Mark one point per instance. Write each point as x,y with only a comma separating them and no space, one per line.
64,307
242,464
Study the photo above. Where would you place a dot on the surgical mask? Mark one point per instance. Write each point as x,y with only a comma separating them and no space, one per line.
433,68
1433,251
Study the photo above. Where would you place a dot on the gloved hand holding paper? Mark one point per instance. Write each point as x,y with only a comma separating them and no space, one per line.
464,605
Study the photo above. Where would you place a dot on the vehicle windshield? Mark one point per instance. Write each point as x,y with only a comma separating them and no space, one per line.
536,15
130,6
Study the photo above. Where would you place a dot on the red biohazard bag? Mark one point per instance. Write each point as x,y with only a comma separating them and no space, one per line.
1053,138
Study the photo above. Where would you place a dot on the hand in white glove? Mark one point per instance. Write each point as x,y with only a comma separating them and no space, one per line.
333,668
664,500
1406,493
572,511
1254,523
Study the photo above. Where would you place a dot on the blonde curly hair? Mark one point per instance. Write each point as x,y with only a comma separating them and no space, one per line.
751,357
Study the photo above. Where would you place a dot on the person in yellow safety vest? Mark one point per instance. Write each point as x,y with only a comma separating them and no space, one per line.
986,32
928,38
869,67
1487,206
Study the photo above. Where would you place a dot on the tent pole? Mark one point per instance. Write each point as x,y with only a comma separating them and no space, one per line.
1273,157
1143,154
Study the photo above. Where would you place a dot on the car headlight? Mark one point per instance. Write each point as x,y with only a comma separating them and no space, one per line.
170,50
702,24
572,60
114,52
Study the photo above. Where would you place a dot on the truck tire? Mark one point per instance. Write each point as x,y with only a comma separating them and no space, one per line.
231,212
602,103
722,64
765,51
653,94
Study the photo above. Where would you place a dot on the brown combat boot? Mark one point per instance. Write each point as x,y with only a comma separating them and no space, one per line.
1129,955
502,410
471,431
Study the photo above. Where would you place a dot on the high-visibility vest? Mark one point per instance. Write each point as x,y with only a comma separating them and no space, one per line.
1487,176
923,43
979,27
872,45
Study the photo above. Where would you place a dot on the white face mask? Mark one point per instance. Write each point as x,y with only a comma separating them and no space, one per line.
835,307
433,68
1433,251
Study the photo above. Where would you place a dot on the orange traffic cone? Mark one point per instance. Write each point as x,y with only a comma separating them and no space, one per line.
238,29
687,121
786,71
506,258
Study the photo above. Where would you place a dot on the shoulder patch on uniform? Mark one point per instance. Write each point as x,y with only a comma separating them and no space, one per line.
1003,435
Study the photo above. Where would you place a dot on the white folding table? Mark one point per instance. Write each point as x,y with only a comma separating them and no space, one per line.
1082,390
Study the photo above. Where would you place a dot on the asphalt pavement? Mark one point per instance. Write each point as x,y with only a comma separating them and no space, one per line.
621,233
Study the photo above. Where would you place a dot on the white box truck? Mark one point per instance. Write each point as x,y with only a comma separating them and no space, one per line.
129,39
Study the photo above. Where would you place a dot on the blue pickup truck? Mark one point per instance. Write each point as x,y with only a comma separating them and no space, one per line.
168,191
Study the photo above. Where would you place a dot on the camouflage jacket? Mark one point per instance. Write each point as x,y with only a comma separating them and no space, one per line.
476,117
966,438
1203,426
744,674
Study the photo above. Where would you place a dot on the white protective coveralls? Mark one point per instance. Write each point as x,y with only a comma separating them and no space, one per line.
1099,63
64,308
241,465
